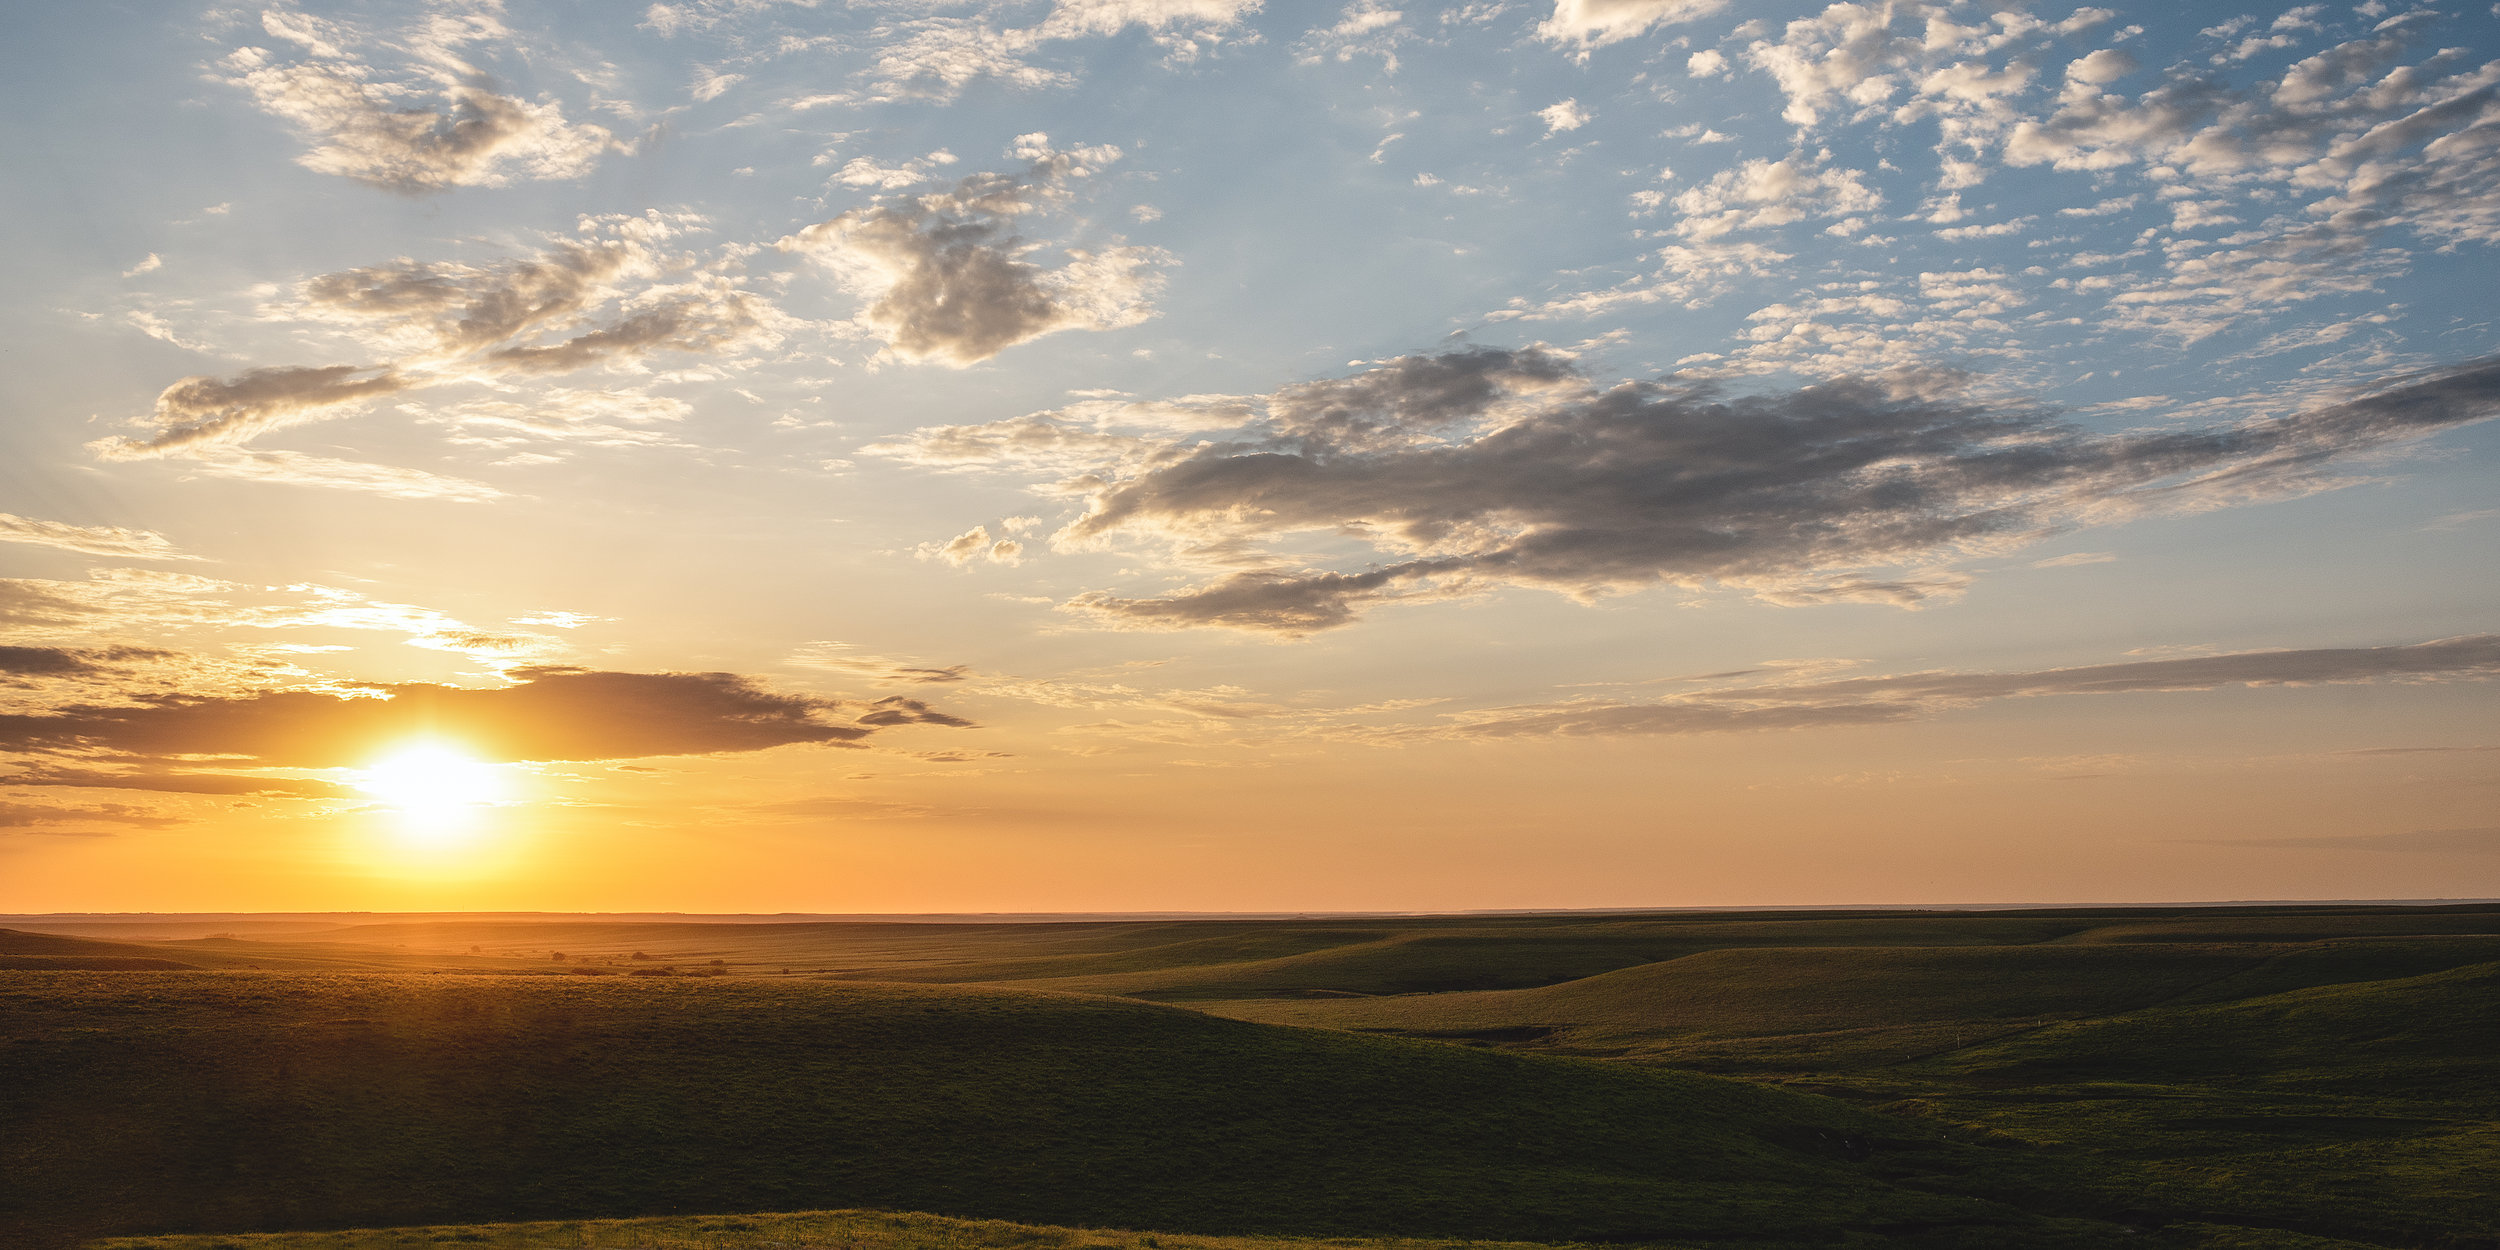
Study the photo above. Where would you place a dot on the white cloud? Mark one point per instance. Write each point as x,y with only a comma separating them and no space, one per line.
1587,24
1764,193
1562,116
439,126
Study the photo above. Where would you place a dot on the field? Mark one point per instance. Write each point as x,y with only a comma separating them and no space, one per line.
2215,1077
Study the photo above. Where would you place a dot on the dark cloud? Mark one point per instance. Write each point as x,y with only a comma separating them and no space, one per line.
170,782
946,273
1491,465
29,818
1268,600
43,661
73,661
1876,700
897,710
553,713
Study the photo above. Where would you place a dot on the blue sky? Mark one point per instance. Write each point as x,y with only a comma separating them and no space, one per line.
1113,405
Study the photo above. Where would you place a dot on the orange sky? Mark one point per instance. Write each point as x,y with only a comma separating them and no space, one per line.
1198,455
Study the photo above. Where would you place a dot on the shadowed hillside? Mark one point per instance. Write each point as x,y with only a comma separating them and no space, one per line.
140,1102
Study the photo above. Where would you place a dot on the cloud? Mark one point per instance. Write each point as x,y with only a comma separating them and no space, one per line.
1365,28
947,278
151,603
441,125
1566,115
973,544
153,263
551,713
611,296
836,657
23,662
1885,700
1764,193
1588,24
94,540
1489,466
942,54
35,818
294,468
201,411
167,781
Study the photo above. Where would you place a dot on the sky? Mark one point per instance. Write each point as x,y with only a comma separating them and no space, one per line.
1096,455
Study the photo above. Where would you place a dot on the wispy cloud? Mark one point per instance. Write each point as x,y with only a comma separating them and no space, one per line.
94,540
1913,696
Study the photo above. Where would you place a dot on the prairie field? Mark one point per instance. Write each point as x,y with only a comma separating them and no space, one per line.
2216,1077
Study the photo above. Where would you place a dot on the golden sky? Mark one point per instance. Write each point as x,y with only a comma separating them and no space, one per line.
1206,455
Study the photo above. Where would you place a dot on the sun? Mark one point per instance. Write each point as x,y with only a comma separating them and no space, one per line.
437,789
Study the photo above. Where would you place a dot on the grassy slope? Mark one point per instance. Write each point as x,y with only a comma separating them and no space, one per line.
2368,1109
140,1102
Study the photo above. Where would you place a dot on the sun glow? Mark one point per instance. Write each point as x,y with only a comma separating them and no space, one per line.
438,791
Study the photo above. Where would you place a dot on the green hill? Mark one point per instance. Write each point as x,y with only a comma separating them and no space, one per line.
140,1102
2368,1110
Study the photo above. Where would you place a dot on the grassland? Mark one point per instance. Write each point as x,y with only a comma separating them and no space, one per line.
799,1230
2296,1077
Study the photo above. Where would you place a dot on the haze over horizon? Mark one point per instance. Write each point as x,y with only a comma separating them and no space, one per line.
1082,456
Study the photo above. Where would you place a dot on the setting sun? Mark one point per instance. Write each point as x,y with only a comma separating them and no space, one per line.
435,788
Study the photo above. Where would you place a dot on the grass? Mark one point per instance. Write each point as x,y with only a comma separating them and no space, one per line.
800,1230
142,1102
1791,991
2218,1078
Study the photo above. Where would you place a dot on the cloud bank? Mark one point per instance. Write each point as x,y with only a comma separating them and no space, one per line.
1488,466
551,713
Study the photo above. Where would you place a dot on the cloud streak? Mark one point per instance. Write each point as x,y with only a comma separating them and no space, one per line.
1916,696
93,540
